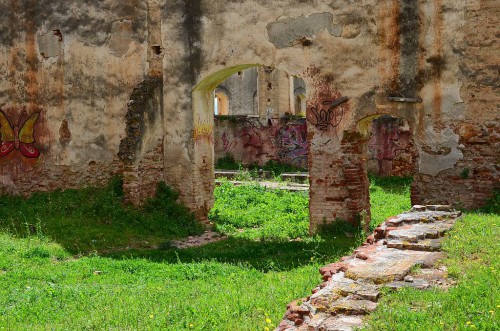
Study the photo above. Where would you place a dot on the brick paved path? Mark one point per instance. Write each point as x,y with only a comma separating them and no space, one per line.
351,287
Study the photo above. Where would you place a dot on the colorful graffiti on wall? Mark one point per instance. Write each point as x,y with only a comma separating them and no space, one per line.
391,150
19,137
203,131
20,144
250,141
291,143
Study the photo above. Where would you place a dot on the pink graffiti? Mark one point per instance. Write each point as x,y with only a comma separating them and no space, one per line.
292,141
227,143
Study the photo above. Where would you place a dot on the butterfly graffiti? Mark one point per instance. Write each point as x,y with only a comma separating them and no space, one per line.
20,137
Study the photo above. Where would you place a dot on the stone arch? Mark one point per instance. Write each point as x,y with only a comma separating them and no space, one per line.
203,124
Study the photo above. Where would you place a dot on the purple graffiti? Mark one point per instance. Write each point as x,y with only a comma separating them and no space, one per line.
291,142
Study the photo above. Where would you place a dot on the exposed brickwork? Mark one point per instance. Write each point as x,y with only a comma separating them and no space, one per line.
354,147
340,189
474,178
472,181
53,177
141,178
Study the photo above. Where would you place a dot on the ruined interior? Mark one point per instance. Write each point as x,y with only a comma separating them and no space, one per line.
260,118
128,88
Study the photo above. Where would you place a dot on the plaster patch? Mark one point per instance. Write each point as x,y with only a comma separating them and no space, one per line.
121,37
49,44
286,32
433,164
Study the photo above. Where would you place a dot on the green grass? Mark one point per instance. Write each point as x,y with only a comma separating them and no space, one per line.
234,284
389,196
95,218
42,287
254,212
229,285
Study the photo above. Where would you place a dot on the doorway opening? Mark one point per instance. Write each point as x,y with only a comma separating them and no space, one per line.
258,147
391,161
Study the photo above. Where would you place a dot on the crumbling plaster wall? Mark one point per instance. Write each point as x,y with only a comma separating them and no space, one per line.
76,64
366,51
211,38
469,119
74,67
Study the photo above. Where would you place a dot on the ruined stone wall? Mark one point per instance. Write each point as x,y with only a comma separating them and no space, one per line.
69,73
67,70
241,89
471,180
312,40
255,141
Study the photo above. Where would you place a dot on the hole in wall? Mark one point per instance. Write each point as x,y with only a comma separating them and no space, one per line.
156,49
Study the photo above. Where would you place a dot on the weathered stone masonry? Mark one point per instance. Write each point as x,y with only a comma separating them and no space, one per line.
431,63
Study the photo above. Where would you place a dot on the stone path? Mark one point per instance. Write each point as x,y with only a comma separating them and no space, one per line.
351,287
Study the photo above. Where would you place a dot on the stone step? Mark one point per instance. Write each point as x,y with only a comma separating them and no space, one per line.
420,231
294,187
421,217
299,177
351,287
384,264
427,245
348,306
417,283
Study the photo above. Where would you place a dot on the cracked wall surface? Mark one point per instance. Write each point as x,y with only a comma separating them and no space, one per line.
68,71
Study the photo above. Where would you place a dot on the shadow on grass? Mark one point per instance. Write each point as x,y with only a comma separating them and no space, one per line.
95,219
264,256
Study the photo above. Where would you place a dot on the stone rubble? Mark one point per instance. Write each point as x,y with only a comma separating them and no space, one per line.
351,287
208,237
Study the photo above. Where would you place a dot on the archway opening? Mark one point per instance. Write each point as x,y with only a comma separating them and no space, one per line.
260,141
221,103
390,161
260,126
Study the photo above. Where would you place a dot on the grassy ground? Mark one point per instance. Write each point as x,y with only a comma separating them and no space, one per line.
254,212
389,196
237,284
243,283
